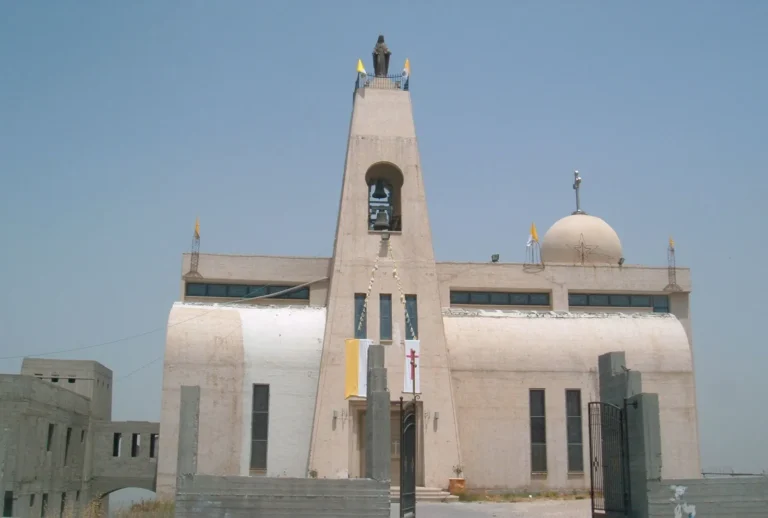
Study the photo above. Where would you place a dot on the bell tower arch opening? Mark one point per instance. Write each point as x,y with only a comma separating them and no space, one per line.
385,184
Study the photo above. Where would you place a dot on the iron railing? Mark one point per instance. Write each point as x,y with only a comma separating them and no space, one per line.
609,466
389,82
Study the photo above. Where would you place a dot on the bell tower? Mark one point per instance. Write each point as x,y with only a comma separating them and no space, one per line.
383,249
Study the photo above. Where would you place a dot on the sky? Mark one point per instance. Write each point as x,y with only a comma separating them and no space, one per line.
121,122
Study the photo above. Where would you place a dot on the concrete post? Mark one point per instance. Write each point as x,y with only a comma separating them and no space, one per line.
189,428
377,418
644,439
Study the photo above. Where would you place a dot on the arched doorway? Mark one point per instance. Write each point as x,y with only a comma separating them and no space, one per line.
385,184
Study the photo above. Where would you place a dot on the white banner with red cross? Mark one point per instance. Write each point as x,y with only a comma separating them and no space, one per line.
412,367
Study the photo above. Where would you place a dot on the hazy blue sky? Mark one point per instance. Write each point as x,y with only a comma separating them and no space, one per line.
120,122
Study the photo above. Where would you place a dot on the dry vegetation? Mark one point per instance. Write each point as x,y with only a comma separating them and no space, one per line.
524,496
142,509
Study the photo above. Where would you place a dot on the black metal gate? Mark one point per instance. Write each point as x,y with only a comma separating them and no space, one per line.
609,465
407,459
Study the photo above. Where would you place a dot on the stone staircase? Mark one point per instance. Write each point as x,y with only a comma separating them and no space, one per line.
424,494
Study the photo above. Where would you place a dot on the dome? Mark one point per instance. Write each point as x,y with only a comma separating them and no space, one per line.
581,239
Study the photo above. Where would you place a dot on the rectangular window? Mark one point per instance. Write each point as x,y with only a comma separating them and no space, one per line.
135,444
237,290
82,436
385,316
153,445
66,445
573,431
256,291
259,429
44,507
195,289
63,503
71,380
661,304
8,503
117,444
49,442
539,299
538,431
641,301
411,318
479,297
598,300
577,299
32,500
361,329
217,290
502,299
459,297
621,301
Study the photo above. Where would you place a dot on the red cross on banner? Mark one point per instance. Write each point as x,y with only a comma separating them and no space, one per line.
412,372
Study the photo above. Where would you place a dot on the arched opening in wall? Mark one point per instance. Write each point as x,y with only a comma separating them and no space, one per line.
385,184
133,501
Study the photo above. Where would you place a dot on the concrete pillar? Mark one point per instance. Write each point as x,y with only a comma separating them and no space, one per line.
377,418
617,383
644,440
189,428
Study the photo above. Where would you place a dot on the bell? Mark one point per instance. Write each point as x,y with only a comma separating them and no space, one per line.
379,193
382,221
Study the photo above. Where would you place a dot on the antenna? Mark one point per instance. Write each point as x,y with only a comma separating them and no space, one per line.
195,260
672,268
533,262
576,187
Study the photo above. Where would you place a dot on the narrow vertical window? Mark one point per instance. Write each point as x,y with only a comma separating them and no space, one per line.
361,331
63,503
66,445
8,503
573,431
49,442
538,432
44,506
135,444
385,316
153,445
411,318
259,429
32,500
117,444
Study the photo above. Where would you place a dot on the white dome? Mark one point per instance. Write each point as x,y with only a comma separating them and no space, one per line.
581,239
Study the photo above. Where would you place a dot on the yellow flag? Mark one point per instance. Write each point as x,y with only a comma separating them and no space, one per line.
360,67
534,234
407,66
197,228
671,242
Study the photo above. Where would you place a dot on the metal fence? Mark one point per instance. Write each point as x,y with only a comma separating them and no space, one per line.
609,466
389,82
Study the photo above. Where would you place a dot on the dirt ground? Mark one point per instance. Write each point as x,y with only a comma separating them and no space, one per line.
537,509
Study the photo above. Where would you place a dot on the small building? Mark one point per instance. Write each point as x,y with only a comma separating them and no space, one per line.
59,449
504,354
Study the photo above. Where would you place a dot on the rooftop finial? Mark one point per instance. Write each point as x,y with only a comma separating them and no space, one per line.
576,187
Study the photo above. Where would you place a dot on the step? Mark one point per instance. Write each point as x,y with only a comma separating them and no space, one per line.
425,494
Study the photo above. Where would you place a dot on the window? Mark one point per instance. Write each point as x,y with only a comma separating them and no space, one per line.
117,444
66,445
538,431
259,429
661,304
384,184
598,300
8,503
385,316
153,445
49,442
77,496
135,444
499,298
55,378
71,380
411,318
82,436
577,299
63,503
44,507
573,431
621,301
361,329
196,289
32,500
641,301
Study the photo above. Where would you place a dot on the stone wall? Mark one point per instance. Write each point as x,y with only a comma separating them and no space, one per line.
204,496
710,498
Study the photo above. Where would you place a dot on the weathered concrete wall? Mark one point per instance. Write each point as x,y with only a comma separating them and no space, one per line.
43,444
497,357
235,497
225,351
87,378
135,464
711,498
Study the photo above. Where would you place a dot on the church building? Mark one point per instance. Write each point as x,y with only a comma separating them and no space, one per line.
504,355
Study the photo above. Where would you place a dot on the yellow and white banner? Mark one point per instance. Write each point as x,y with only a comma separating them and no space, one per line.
412,367
356,379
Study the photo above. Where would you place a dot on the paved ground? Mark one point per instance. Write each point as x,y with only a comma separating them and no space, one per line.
539,509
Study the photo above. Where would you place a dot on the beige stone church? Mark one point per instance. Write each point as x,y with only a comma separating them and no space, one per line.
506,353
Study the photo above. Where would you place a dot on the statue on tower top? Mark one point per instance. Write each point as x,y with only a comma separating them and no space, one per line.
381,58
